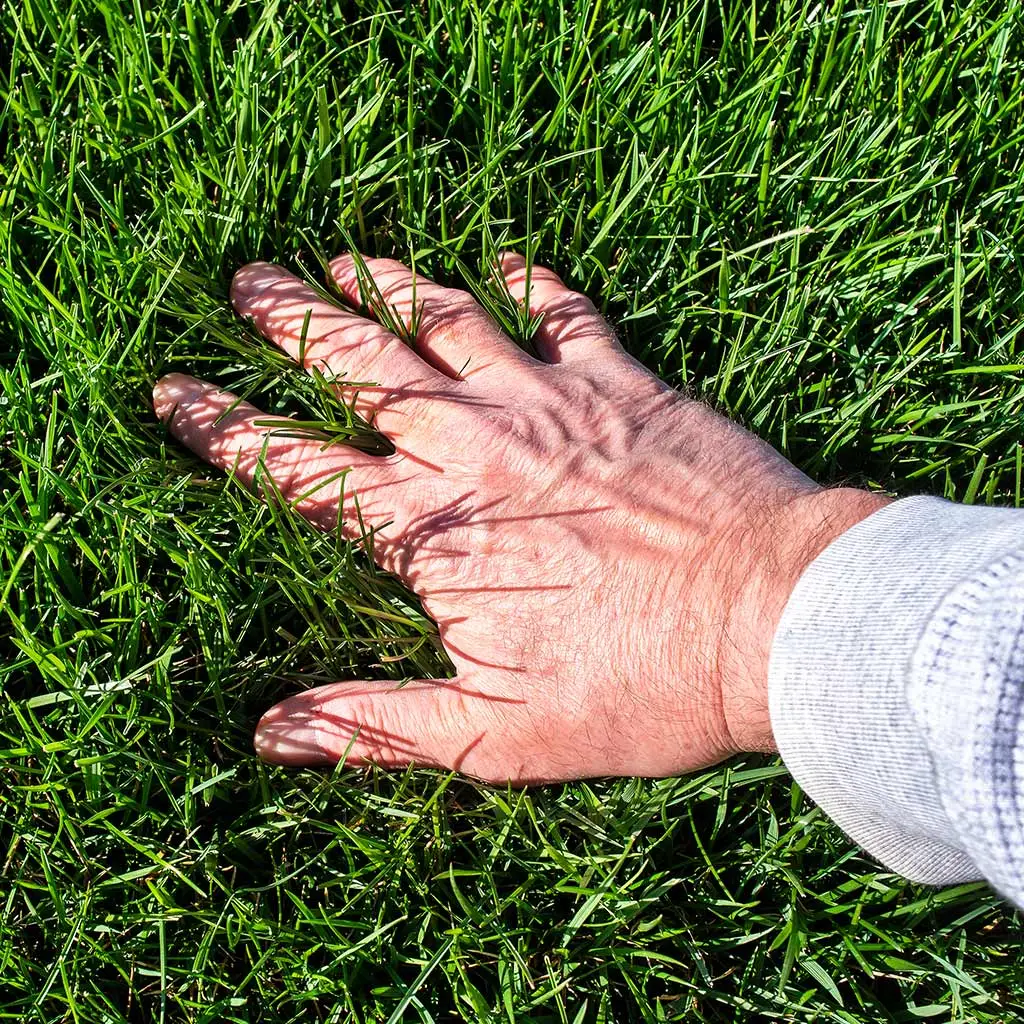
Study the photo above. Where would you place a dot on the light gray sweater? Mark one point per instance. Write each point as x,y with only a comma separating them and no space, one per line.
896,689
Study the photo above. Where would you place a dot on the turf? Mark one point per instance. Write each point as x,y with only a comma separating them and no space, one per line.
812,215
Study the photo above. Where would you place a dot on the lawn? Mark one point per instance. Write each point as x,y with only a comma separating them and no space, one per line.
810,215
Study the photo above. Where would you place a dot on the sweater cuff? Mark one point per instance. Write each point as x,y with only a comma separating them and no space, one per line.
840,667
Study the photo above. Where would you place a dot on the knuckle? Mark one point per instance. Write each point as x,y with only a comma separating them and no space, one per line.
449,312
379,736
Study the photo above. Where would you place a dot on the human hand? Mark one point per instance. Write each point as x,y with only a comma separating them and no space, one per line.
606,560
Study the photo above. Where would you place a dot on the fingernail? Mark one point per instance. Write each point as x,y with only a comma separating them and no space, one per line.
347,272
290,740
174,391
252,280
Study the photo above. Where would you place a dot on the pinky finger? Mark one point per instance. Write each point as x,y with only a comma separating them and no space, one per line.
571,327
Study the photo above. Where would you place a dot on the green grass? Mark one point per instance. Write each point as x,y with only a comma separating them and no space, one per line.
812,215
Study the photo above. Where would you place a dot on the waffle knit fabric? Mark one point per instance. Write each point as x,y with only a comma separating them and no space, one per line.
896,689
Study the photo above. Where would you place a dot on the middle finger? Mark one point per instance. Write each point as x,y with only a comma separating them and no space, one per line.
388,383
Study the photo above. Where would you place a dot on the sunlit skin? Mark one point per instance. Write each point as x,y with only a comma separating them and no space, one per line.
606,559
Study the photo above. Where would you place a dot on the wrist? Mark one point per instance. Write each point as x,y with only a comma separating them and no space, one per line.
774,560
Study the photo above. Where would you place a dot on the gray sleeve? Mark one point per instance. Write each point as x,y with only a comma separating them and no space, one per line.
896,689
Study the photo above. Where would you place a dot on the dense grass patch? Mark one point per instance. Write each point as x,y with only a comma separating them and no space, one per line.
812,215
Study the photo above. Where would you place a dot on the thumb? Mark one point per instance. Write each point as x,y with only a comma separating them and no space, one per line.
440,723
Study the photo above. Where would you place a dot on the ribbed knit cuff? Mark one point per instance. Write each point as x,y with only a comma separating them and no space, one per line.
840,667
966,693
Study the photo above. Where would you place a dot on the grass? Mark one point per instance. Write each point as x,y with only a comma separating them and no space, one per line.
810,214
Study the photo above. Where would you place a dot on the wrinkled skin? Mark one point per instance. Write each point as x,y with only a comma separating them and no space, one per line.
606,560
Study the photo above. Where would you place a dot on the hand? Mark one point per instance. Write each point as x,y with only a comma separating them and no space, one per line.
606,560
